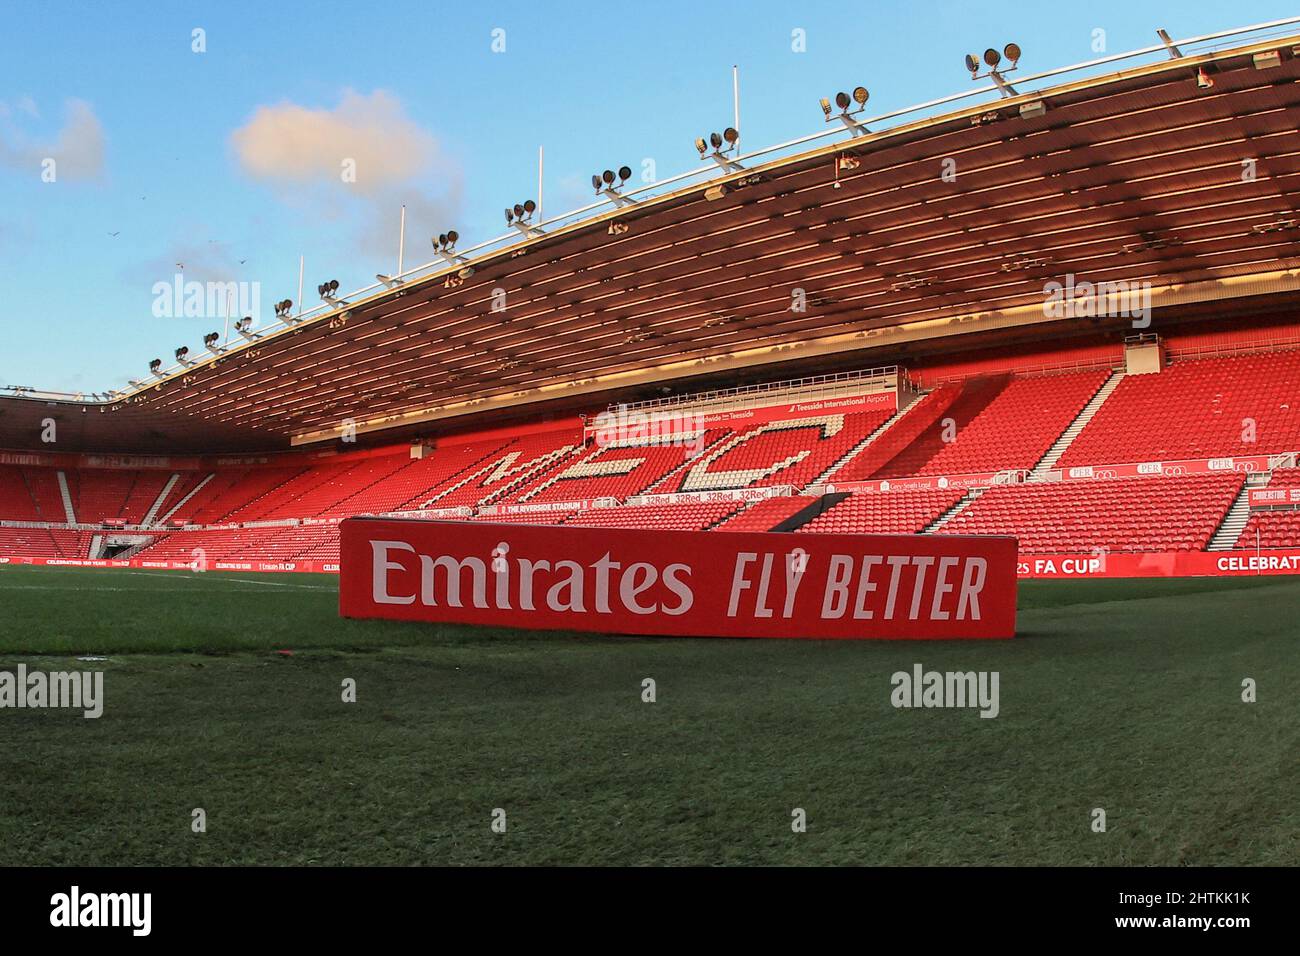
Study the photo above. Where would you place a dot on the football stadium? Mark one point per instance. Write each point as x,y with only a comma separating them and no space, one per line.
1059,306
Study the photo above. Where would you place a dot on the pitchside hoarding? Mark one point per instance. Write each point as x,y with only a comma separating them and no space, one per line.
687,583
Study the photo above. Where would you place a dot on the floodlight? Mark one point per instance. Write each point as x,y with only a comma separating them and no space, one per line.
181,353
723,144
211,339
518,216
244,325
993,61
847,112
609,183
155,365
452,236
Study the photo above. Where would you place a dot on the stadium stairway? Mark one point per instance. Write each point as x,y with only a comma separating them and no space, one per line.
884,456
785,513
1234,522
1219,406
811,511
973,396
866,442
66,495
185,500
966,501
162,497
1067,438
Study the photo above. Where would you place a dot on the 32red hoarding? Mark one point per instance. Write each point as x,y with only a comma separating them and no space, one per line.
623,581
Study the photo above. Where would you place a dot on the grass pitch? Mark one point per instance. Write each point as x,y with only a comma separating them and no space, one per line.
1123,695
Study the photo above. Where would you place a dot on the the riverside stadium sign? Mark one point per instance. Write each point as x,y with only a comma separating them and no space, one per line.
702,584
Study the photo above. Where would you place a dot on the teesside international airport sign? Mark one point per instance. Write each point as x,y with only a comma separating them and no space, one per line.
701,584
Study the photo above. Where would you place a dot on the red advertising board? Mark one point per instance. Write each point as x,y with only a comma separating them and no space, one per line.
1175,564
685,583
1168,469
298,565
1169,564
1274,497
795,410
982,480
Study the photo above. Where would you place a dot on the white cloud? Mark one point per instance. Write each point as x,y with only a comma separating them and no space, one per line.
302,153
78,148
292,144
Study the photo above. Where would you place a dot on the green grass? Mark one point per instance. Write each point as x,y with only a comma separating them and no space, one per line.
1123,695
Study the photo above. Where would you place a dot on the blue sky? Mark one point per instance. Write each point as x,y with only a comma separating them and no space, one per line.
218,159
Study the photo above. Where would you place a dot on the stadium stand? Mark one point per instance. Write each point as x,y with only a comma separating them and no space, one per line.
886,512
409,479
959,409
1278,529
620,470
1202,408
1017,427
232,491
1274,529
783,452
1122,514
239,544
44,542
502,471
43,485
767,514
921,418
16,500
996,423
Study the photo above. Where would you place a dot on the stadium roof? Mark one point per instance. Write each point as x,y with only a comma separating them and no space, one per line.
1183,173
